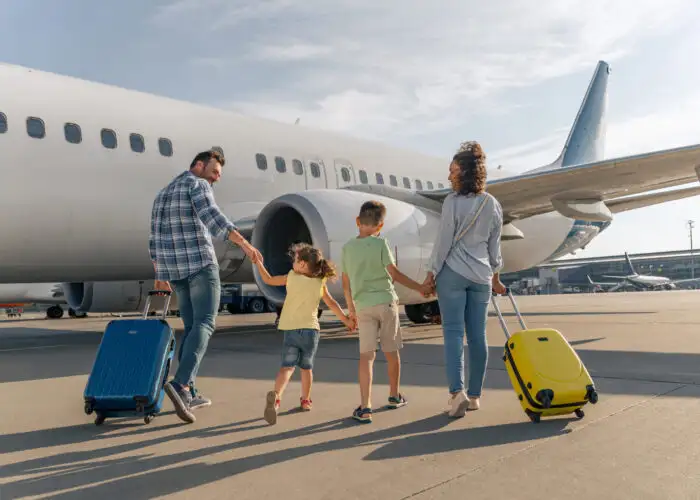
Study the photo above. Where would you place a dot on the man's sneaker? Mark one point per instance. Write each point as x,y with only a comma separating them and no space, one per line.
181,401
272,404
397,401
198,401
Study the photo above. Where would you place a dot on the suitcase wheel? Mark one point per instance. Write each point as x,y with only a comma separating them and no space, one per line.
579,413
148,419
535,417
100,419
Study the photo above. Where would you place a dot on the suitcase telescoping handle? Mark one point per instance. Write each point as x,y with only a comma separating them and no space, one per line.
151,293
500,316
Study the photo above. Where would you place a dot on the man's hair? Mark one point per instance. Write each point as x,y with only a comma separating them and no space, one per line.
372,213
205,156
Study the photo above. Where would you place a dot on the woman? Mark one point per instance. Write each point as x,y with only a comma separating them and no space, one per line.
464,268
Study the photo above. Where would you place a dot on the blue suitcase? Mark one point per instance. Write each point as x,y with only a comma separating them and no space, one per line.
131,367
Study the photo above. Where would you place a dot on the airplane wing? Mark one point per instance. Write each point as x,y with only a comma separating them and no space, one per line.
568,189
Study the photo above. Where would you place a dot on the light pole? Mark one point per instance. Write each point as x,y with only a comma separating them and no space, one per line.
691,225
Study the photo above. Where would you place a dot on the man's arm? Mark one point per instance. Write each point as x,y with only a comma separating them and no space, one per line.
211,215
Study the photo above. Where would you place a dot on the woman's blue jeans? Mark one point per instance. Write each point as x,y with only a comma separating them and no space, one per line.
463,303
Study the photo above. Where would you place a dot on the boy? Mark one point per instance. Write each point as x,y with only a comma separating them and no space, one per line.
369,270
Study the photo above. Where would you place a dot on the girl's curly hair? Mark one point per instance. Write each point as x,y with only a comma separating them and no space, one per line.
471,160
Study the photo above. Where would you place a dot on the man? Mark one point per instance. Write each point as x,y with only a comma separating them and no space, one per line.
183,220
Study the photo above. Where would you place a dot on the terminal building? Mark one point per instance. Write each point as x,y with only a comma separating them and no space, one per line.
572,275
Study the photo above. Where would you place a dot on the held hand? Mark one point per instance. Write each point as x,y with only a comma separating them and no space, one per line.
350,324
427,290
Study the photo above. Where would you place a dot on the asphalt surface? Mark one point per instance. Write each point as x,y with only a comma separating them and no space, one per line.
641,441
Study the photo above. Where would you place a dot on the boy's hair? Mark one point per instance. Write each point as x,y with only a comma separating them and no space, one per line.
372,213
319,267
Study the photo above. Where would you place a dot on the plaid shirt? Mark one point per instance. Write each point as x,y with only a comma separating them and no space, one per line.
183,220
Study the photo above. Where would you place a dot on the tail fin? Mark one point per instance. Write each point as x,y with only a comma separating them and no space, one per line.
586,141
629,263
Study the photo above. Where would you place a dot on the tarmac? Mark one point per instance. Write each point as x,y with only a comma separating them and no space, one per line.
640,441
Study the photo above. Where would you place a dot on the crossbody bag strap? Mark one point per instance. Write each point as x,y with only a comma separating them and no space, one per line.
478,211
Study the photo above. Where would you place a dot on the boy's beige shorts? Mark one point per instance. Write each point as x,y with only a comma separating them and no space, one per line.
381,323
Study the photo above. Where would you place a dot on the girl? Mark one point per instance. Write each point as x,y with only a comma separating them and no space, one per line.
306,286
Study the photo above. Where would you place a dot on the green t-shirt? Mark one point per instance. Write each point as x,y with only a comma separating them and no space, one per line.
365,261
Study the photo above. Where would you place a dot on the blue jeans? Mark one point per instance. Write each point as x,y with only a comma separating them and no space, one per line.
299,348
198,296
463,303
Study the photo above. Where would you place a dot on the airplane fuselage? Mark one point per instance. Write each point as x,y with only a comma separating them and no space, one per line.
82,203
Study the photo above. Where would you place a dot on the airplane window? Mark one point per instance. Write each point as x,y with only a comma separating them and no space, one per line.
137,145
109,138
280,165
380,178
218,149
298,167
72,133
315,170
3,123
345,173
363,177
441,185
36,128
406,183
165,147
430,185
261,160
393,181
419,184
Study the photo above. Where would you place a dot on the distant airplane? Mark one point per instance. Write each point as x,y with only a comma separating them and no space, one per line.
640,281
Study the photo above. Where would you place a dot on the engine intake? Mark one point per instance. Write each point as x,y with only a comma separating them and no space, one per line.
326,219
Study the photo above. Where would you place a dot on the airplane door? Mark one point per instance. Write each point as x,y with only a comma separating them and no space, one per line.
344,173
316,175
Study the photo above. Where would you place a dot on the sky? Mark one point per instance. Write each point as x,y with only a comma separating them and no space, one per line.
418,75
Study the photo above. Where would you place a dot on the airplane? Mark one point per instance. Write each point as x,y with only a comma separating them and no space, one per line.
51,294
82,162
640,281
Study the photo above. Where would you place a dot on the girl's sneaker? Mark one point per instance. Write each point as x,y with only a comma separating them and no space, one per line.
272,404
306,404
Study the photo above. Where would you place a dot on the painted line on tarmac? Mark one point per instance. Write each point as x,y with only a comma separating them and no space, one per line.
13,349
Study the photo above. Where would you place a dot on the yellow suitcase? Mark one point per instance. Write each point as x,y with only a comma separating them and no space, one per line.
545,371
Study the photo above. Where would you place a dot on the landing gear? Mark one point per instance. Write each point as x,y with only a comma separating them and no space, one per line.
423,313
54,312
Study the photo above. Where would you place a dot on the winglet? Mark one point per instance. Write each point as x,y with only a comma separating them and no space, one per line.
586,141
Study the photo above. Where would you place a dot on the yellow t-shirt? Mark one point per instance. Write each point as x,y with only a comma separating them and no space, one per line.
300,308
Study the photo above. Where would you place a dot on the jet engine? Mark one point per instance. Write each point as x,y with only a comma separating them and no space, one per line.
326,219
113,296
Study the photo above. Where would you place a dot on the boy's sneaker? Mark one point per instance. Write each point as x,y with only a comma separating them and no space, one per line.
181,400
272,404
198,401
359,412
397,401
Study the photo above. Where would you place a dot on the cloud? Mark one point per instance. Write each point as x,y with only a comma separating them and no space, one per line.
381,70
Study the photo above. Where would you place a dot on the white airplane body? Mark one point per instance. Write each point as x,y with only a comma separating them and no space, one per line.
85,205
